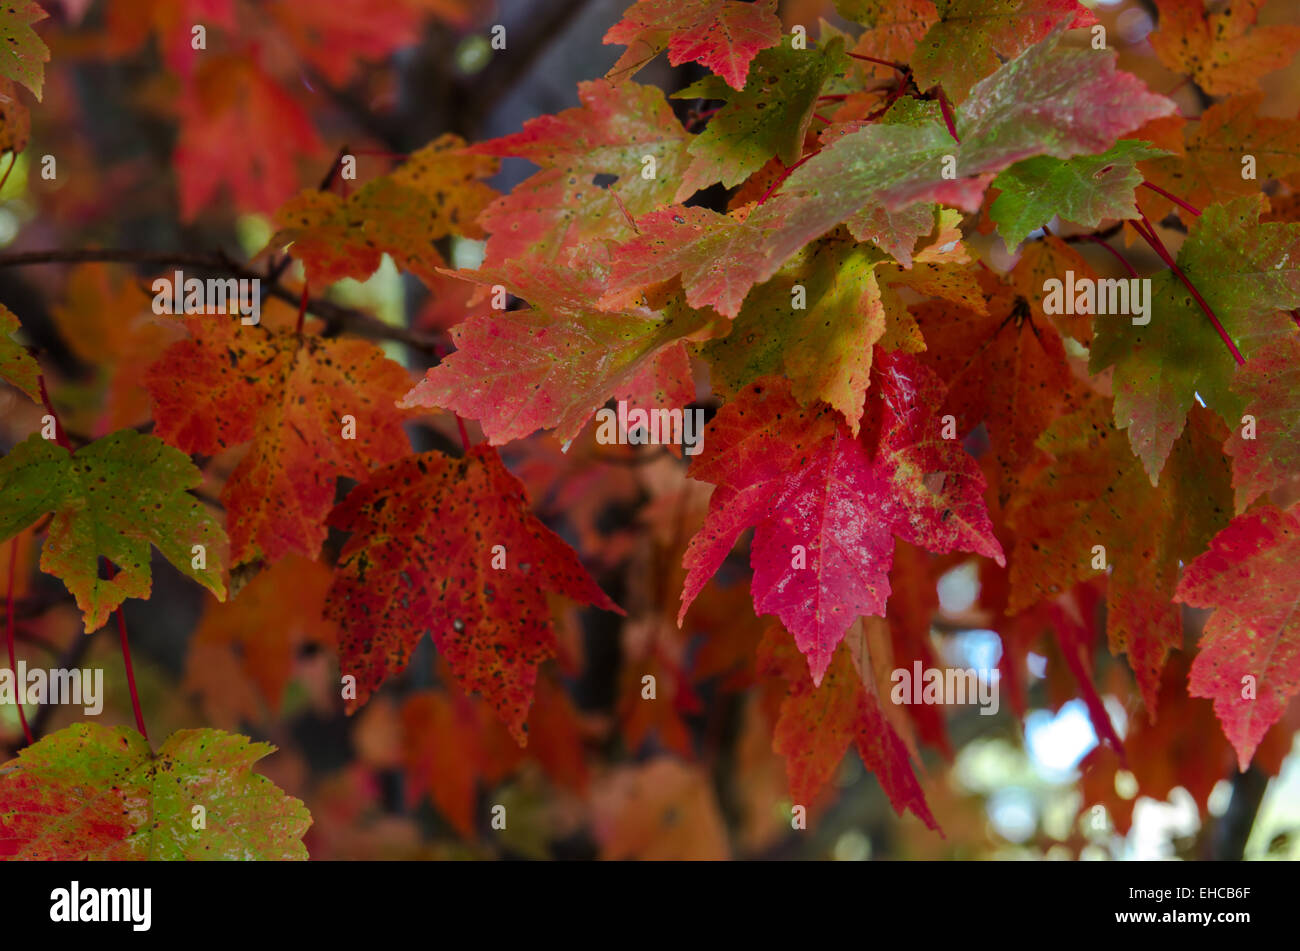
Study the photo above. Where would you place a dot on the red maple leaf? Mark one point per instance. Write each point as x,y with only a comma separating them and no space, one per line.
449,546
723,35
230,103
1249,662
818,722
826,506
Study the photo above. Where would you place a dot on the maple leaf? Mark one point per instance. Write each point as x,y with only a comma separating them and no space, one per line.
770,116
23,54
1250,650
337,37
1225,52
1265,443
232,100
972,35
100,793
1096,494
135,338
802,479
288,395
1075,637
661,810
15,120
555,737
452,743
1185,747
264,627
653,647
437,192
1003,368
447,750
1050,257
17,366
1208,164
824,347
722,35
894,29
1046,101
554,364
1084,190
426,530
129,23
913,603
818,722
111,499
894,232
1070,619
817,320
1246,271
561,211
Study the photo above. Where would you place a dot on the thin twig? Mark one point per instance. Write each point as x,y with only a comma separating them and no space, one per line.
335,315
901,67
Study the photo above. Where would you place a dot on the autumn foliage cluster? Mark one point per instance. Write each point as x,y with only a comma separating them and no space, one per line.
381,534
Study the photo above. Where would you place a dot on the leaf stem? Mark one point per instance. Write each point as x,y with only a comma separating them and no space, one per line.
13,160
1149,235
59,435
1174,198
441,354
328,180
901,67
126,662
948,118
697,118
785,173
9,631
1096,239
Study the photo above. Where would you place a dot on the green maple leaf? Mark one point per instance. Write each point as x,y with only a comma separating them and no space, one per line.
770,116
1248,272
95,792
16,364
111,499
1047,101
824,346
23,54
966,41
1084,189
560,212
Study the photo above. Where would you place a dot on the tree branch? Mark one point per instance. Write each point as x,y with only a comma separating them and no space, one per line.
336,316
